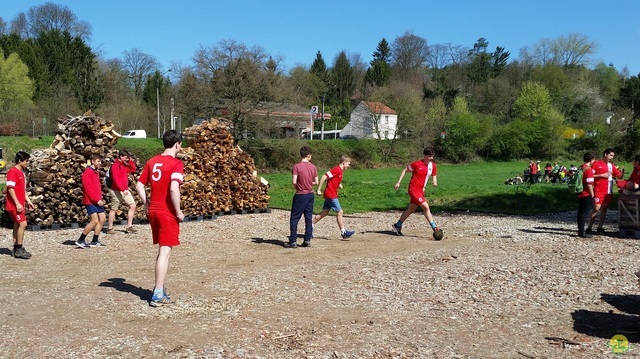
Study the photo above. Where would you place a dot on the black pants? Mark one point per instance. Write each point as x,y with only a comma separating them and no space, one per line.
302,204
585,206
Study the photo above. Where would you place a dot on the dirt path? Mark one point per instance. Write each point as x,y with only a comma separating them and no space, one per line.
496,287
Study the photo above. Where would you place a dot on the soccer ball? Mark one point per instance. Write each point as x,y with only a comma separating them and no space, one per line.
438,235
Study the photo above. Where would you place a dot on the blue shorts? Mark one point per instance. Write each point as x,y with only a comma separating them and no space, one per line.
332,204
94,208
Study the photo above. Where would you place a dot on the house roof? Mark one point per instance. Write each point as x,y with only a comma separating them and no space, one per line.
379,107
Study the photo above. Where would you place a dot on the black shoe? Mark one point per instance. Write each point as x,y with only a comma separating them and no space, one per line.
397,230
585,235
291,245
306,244
601,231
589,231
21,253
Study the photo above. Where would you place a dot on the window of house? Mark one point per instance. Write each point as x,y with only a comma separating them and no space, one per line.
386,119
386,134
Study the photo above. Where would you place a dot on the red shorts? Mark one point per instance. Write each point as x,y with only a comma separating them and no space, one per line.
416,197
603,199
17,217
165,228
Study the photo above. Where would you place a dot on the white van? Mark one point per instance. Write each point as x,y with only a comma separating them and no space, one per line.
135,134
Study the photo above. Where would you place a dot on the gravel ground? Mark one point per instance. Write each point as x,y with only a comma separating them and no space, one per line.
495,287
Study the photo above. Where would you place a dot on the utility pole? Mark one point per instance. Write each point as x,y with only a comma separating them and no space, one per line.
173,119
322,129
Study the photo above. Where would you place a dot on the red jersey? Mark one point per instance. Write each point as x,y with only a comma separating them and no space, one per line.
159,172
635,175
306,172
18,181
587,179
91,186
533,169
604,185
120,174
334,178
420,173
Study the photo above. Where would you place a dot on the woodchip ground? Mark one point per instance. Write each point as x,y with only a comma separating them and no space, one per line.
495,287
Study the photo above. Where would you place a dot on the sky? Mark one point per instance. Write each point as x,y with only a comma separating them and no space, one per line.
172,31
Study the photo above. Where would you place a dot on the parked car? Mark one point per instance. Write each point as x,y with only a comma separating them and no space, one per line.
135,134
348,137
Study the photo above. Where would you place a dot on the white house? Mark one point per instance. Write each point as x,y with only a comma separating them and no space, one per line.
371,120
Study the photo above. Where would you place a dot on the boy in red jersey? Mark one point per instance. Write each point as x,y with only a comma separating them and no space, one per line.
164,173
603,174
304,176
17,199
92,199
585,199
119,190
420,170
334,181
631,185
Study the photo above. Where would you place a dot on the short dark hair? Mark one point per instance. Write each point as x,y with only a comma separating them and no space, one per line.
607,151
170,138
22,156
124,153
637,158
305,151
588,157
428,152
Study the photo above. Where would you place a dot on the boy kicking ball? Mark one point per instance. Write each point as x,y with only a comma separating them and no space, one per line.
333,177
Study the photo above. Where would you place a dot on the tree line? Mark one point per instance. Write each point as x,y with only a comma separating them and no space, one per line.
468,102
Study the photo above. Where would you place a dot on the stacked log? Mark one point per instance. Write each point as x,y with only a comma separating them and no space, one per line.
56,172
219,177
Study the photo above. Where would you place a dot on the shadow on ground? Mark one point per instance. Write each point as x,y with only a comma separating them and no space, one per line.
120,284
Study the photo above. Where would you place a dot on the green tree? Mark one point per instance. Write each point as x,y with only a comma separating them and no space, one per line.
319,69
379,74
16,88
465,133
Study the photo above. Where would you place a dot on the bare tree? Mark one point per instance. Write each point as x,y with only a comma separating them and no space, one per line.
139,66
47,17
574,50
238,76
3,27
409,54
439,56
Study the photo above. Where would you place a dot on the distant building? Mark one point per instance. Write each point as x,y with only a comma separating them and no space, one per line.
371,120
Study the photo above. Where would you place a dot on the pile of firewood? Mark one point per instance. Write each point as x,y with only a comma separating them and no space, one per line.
56,172
219,177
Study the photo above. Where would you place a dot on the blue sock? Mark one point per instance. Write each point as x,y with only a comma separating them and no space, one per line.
158,293
433,225
399,224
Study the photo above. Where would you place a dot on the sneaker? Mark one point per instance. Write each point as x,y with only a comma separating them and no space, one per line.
601,231
21,253
159,302
82,244
588,231
397,230
347,234
291,245
585,235
131,229
111,231
96,244
306,244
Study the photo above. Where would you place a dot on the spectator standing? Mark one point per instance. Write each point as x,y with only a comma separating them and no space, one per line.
547,172
164,173
603,173
585,199
420,170
18,202
92,200
333,178
304,177
119,190
533,172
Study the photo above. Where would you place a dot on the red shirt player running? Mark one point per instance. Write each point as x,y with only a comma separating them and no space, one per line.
420,170
164,173
17,203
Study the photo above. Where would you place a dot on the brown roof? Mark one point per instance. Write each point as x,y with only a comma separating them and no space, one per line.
379,107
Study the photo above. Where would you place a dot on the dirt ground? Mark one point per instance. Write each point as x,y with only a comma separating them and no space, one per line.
495,287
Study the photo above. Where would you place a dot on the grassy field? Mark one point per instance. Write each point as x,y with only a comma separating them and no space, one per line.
475,187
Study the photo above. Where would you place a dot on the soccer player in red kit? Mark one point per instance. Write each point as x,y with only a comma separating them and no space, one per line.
333,177
604,173
420,170
17,203
164,173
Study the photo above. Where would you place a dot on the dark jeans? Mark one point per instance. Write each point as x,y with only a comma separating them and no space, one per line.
302,204
585,206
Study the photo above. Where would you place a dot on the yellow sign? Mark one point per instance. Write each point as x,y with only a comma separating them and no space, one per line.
619,344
